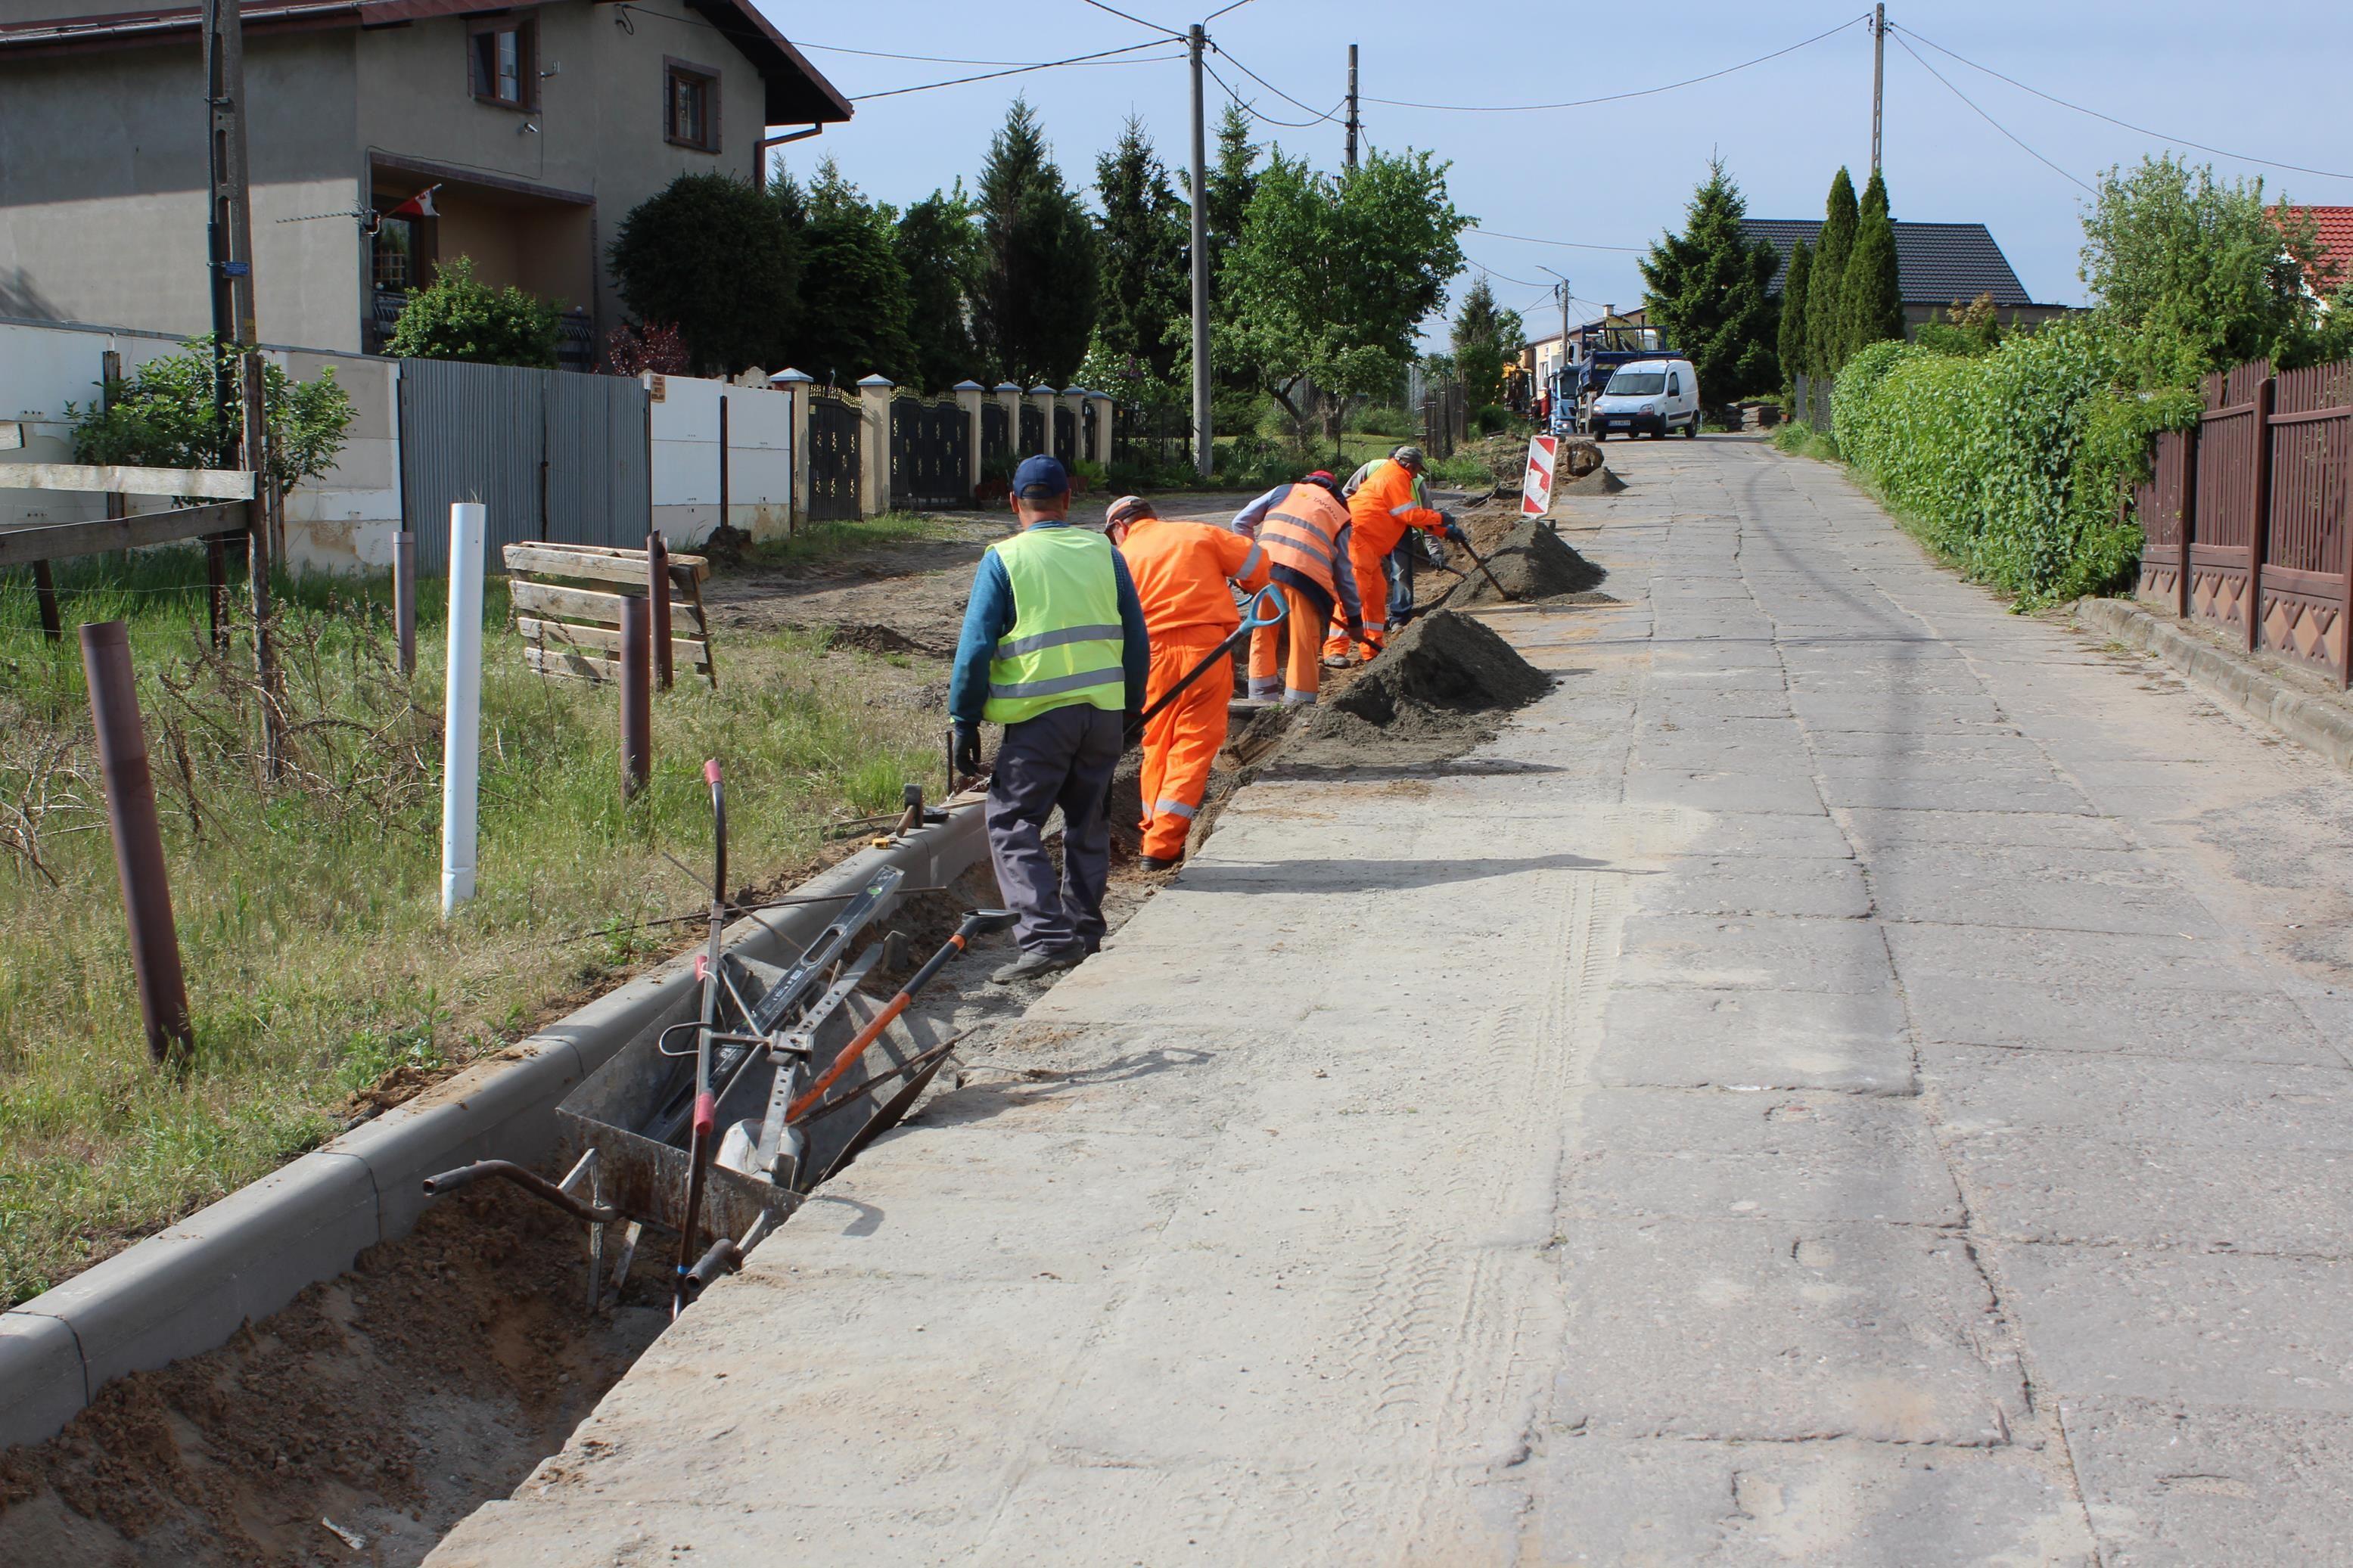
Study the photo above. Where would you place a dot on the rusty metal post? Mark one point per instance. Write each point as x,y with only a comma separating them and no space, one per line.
138,841
404,598
637,695
45,590
722,462
2259,521
2190,441
658,597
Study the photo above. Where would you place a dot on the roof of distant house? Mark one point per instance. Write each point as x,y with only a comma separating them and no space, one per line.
797,92
2336,258
1935,263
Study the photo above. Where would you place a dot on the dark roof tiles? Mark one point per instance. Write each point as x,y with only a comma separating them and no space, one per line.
1936,263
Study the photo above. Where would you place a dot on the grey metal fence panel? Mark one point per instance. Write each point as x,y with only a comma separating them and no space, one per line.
470,432
597,488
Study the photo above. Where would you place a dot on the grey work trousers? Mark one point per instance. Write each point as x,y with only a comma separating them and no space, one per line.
1065,757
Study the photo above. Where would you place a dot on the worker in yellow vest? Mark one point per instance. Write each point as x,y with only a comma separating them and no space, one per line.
1054,648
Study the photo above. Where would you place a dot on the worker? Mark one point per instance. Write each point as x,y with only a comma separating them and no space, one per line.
1303,529
1384,506
1182,571
1055,650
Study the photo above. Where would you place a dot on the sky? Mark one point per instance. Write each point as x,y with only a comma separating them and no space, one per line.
1603,181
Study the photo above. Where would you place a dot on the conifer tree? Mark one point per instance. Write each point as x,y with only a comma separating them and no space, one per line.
1794,305
1034,313
1825,335
1141,241
1485,339
854,303
1871,306
939,250
1706,288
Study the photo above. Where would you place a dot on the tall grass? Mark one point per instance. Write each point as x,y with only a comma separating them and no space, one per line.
309,909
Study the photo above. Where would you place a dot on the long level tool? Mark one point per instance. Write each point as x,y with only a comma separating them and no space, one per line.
706,1104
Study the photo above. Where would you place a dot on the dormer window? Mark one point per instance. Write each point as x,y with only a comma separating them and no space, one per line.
503,55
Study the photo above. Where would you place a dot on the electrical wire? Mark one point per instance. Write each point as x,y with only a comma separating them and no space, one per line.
1103,56
1249,108
1563,244
1614,96
885,55
1221,10
1139,21
2125,124
1278,91
1989,119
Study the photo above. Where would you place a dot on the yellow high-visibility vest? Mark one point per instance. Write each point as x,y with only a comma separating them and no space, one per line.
1064,647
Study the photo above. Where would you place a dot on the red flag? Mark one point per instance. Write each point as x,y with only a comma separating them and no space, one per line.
419,206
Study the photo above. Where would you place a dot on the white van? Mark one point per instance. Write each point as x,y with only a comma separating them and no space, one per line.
1649,398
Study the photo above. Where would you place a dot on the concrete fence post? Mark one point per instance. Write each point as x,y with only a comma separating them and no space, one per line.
1008,397
1043,398
1075,399
1101,453
874,394
795,384
968,396
138,840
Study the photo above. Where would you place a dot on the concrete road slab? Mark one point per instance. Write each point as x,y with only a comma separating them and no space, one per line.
1874,830
2172,1486
1754,884
2062,1096
2039,886
1754,952
1685,1036
1777,794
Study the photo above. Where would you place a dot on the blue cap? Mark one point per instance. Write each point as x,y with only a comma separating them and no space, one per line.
1040,476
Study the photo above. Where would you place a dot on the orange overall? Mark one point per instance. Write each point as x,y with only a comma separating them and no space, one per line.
1384,507
1181,570
1301,535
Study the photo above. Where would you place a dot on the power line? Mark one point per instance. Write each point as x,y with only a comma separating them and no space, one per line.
1139,21
2125,124
1563,244
1101,55
881,54
1249,108
1221,10
1614,96
1989,119
1275,90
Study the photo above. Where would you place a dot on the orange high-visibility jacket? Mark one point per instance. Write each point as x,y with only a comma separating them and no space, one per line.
1301,530
1385,506
1180,570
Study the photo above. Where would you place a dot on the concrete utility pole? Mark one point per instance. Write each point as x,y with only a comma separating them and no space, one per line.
1560,292
1351,107
1878,76
1193,39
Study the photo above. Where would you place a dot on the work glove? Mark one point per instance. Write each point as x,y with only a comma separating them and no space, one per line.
967,750
1453,529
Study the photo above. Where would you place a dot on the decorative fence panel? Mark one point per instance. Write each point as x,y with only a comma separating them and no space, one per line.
1066,436
996,434
2245,518
1089,421
834,454
931,444
1033,430
1148,436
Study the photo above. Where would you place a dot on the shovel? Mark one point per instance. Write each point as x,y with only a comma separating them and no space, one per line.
1481,562
1259,619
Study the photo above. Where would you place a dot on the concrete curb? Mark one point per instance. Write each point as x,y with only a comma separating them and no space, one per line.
2313,722
186,1290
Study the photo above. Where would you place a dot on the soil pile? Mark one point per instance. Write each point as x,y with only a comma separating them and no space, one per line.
1531,562
1599,482
1440,688
1577,459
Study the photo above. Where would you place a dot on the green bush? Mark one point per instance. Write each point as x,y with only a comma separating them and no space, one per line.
2008,464
461,317
1494,419
1394,423
162,417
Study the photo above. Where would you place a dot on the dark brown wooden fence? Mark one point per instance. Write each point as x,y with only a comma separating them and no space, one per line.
2246,517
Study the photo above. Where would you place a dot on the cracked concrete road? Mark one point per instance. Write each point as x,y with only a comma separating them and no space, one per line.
1852,1077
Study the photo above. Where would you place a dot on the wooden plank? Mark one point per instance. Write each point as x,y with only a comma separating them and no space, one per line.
599,563
60,542
207,484
548,600
578,667
566,634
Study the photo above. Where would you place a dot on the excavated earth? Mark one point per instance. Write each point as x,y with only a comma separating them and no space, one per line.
1441,688
1530,562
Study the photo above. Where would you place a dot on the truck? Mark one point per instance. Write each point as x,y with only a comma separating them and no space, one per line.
1595,352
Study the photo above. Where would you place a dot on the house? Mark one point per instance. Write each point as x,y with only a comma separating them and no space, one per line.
1938,266
1540,356
535,128
2331,269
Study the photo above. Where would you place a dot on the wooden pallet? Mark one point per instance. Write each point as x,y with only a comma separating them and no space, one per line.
575,631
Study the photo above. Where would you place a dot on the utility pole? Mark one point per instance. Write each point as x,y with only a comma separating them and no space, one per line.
1560,292
1193,39
1352,109
1878,76
231,228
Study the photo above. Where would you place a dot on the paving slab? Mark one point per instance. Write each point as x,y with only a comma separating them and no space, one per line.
2212,1488
1688,1036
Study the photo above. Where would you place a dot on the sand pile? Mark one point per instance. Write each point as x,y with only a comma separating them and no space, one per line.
1531,562
1599,482
1440,688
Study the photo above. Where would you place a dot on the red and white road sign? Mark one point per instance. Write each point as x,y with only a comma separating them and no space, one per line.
1535,490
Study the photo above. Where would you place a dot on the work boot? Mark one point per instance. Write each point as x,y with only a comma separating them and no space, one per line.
1154,863
1341,661
1038,965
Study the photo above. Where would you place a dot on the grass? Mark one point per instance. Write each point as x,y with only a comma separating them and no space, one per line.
1803,440
318,965
825,541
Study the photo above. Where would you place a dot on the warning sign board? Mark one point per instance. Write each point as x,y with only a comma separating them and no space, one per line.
1535,490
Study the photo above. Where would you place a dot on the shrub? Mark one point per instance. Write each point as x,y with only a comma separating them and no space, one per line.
715,255
1494,419
461,317
162,417
1394,423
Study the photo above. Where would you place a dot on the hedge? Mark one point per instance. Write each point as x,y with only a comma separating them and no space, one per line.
2008,464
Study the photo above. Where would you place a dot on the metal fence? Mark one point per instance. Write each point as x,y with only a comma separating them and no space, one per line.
1033,430
834,450
931,444
1810,401
2245,518
1090,422
995,438
554,455
1445,417
1066,435
1146,436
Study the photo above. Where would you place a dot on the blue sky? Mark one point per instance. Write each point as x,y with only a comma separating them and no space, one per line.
1615,175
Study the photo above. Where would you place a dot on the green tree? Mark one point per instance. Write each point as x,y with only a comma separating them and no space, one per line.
1795,303
854,298
461,317
1227,190
1486,340
162,417
1333,274
1146,292
939,250
1035,311
1827,286
2199,274
1872,305
712,255
1706,286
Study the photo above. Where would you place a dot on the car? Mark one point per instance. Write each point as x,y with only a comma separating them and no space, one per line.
1648,397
